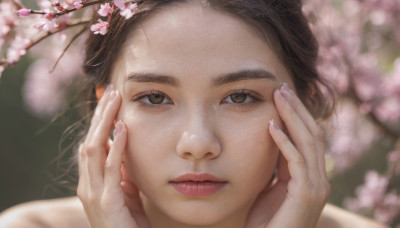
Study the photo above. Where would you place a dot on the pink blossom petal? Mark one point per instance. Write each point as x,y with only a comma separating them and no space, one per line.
78,5
120,4
100,28
129,11
105,10
17,49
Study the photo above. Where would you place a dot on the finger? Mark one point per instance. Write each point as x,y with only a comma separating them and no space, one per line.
112,170
80,160
102,133
300,134
283,171
83,173
99,141
86,150
310,123
98,113
295,160
83,149
300,109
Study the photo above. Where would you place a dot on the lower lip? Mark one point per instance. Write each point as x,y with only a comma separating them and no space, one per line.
200,188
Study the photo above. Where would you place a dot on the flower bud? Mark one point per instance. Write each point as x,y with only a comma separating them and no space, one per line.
78,5
49,16
59,6
24,12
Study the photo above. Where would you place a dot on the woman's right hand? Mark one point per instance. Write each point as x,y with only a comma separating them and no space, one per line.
108,200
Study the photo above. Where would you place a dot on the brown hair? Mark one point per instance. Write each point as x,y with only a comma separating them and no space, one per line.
288,34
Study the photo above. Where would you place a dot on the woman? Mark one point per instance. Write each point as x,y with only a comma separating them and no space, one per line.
214,107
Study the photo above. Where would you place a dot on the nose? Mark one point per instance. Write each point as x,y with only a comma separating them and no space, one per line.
198,140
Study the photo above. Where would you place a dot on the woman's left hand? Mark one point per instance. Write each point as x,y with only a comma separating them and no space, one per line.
302,188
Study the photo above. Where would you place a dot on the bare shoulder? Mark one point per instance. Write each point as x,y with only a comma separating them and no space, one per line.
63,213
336,217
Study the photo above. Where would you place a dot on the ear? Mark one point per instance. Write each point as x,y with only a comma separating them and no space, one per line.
99,92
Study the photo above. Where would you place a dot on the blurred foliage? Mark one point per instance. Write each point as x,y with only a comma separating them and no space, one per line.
29,146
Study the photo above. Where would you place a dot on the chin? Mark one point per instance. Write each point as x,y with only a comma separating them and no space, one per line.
198,215
199,219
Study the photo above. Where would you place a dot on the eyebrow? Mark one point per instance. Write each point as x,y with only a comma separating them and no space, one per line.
151,77
243,75
247,74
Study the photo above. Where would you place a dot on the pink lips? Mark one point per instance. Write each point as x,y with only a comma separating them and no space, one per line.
203,184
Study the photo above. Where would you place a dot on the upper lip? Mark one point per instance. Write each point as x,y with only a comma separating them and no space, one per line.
197,177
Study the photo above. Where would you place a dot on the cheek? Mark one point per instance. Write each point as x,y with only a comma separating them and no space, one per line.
149,144
251,148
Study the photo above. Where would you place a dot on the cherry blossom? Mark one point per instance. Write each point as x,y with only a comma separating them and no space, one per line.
120,4
372,195
100,28
105,10
46,24
129,11
8,19
17,49
50,98
78,5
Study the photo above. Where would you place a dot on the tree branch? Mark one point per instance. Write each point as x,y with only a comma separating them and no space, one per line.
66,48
84,21
66,11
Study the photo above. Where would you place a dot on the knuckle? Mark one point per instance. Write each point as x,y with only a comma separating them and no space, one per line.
82,194
92,198
81,151
79,192
299,159
108,168
92,150
322,193
310,144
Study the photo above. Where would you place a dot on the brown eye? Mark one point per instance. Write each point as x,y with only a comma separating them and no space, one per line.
156,98
238,98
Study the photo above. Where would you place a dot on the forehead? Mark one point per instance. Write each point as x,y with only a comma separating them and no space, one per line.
191,39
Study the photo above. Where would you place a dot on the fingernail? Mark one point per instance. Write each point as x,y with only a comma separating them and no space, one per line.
285,91
118,128
113,95
109,89
272,123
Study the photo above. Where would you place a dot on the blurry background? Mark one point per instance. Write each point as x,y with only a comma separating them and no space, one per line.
360,57
28,145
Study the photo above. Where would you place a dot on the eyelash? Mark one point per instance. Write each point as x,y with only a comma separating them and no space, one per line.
145,95
255,98
237,106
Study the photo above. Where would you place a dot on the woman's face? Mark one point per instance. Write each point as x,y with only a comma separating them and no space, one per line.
196,87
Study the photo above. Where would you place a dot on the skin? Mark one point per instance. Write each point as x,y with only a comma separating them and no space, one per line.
198,133
200,128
